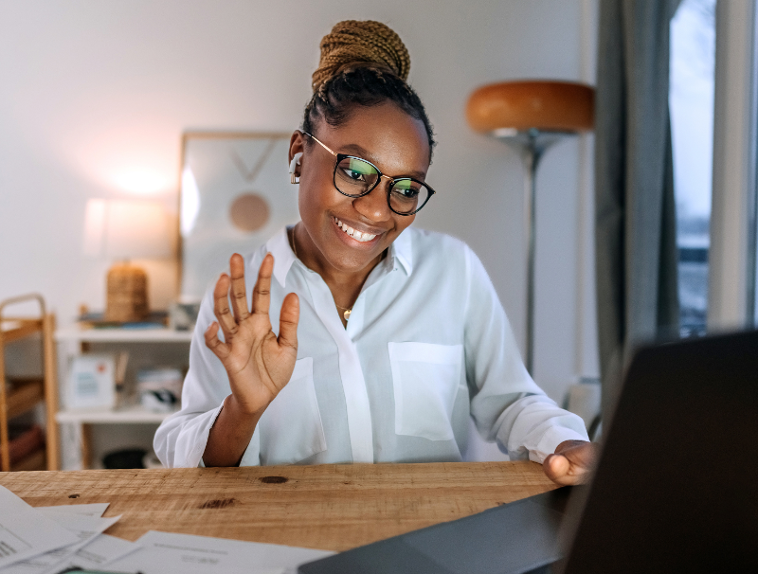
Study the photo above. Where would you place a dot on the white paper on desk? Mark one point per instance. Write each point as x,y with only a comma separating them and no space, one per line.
84,527
25,532
102,550
95,509
166,553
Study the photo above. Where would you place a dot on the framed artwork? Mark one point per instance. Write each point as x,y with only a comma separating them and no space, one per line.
235,194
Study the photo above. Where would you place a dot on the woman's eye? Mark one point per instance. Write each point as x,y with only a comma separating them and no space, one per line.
407,193
354,175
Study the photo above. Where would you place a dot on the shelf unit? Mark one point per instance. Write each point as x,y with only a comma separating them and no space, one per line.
82,335
79,339
19,396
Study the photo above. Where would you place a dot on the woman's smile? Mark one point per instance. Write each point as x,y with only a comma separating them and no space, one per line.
354,232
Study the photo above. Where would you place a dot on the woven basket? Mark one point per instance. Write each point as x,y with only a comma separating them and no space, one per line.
127,294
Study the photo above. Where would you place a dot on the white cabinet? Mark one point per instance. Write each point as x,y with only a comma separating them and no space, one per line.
87,434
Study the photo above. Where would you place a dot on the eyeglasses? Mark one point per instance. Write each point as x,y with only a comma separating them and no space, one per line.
356,177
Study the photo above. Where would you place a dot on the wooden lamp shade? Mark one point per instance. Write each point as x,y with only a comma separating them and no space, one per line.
524,105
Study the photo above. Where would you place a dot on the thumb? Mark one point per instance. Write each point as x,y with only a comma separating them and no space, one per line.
288,320
556,466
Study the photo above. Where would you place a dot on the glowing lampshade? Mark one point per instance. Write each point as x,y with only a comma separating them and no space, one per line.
127,229
123,230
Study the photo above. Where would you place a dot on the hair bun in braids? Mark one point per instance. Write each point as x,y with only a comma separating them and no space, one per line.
363,64
361,42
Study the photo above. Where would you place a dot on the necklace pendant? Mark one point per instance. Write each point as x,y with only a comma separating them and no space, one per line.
346,314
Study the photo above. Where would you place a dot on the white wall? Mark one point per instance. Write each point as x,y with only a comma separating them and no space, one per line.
92,91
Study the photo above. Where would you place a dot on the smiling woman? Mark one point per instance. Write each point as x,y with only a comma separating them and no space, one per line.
389,338
348,221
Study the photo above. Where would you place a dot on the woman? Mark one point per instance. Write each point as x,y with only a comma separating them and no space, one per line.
389,337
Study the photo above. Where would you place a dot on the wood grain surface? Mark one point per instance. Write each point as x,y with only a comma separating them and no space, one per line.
332,507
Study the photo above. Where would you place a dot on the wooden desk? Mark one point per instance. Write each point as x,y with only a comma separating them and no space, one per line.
332,507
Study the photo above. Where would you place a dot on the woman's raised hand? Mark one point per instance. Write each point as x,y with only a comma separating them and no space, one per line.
257,362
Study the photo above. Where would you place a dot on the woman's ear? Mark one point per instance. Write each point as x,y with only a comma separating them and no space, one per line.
295,155
297,145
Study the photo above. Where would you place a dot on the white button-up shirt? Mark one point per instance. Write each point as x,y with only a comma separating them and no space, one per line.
427,346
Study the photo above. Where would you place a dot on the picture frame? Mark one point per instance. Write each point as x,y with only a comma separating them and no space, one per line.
235,194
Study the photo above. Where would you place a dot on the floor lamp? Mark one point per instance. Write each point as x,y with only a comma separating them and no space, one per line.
531,116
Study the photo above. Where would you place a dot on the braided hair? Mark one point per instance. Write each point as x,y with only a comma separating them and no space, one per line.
362,64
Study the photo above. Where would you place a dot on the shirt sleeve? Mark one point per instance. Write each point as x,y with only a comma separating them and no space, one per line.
507,406
181,439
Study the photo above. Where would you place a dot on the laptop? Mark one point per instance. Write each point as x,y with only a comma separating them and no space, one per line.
675,490
513,538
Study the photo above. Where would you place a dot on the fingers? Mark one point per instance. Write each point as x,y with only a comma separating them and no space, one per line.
221,350
221,307
557,467
571,465
230,318
288,319
238,294
262,289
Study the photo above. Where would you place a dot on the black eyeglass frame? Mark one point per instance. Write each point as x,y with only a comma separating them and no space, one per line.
393,180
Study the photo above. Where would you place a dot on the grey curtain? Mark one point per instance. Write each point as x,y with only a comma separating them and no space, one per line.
635,236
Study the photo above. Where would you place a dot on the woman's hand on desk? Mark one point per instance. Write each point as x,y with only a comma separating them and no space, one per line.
259,364
571,463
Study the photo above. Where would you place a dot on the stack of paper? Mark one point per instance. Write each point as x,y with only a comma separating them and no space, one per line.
49,540
58,539
166,553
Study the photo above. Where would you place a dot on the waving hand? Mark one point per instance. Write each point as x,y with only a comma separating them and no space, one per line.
259,364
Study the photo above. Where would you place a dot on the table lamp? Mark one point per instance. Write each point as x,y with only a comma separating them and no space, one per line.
127,229
531,116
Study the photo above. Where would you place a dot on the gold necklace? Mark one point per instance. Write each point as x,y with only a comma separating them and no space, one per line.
345,312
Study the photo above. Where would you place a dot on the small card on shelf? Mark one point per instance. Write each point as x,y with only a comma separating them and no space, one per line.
92,382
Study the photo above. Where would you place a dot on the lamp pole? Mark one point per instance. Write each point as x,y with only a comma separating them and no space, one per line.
531,143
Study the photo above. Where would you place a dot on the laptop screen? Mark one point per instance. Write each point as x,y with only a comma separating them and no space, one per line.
676,486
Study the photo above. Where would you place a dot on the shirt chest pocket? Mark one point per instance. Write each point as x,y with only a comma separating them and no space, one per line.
291,426
426,379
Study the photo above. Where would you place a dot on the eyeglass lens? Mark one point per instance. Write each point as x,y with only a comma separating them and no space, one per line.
355,177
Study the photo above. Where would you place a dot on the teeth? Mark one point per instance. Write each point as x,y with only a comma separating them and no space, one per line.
354,233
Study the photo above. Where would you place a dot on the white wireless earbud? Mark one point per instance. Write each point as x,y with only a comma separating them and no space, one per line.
295,162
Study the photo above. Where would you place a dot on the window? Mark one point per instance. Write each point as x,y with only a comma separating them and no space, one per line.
691,93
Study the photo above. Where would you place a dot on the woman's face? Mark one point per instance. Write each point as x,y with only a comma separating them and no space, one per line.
387,137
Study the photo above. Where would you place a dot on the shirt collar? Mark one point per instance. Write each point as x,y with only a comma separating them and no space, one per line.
279,247
401,250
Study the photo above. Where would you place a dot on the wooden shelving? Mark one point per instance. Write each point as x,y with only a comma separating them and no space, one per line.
19,396
35,461
23,396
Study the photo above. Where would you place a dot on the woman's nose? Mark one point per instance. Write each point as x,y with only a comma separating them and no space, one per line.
374,205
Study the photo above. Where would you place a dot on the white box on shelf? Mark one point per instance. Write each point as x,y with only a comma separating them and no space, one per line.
160,388
92,382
